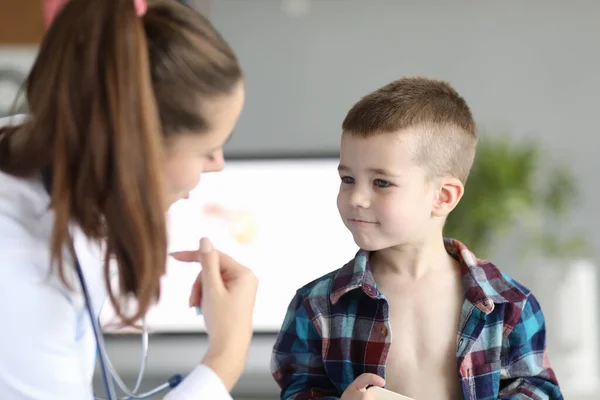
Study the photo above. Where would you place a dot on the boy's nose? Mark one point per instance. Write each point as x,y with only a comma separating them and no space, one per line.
360,199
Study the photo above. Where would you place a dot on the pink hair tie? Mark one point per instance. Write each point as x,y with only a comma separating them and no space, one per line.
51,8
141,6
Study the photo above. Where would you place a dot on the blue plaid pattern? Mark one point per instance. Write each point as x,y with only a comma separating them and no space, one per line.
336,328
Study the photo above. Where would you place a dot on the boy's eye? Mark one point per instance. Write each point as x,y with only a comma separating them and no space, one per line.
347,179
381,183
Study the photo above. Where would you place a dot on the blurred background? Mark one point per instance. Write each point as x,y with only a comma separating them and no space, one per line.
530,72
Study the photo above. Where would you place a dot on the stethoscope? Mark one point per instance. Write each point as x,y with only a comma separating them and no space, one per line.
109,374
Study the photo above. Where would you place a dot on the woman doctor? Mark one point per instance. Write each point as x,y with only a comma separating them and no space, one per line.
130,103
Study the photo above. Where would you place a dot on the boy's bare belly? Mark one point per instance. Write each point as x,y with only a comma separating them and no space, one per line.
424,318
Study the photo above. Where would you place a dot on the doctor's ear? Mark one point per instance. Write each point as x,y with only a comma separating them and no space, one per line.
449,193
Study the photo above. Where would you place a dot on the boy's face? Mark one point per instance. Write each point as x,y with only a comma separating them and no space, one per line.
385,199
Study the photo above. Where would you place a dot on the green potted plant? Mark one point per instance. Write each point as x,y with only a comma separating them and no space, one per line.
511,190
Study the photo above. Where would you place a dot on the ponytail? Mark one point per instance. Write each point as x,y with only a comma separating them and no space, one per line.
135,205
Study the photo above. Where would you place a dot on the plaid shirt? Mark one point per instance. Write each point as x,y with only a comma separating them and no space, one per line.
336,328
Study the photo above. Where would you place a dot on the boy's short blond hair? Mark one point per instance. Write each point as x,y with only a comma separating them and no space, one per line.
429,108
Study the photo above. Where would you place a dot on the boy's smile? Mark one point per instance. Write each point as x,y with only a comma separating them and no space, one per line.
359,221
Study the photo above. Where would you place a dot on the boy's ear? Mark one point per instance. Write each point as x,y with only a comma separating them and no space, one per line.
449,193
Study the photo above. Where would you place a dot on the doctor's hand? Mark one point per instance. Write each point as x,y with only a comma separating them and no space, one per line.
358,389
226,291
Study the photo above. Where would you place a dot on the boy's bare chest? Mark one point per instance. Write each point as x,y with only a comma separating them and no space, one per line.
424,323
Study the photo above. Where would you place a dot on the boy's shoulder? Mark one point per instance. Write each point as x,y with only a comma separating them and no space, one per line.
322,286
334,284
485,284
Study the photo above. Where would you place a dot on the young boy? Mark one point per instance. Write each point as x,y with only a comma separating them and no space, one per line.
412,311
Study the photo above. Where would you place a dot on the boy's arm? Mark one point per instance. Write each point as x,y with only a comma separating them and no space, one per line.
296,363
526,372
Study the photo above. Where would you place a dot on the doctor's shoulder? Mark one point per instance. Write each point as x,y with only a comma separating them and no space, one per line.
24,203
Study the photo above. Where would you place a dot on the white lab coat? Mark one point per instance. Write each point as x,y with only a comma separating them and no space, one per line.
47,345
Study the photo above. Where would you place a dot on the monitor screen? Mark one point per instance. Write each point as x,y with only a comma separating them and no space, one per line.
278,217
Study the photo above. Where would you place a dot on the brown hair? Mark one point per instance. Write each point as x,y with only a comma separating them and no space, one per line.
106,90
433,110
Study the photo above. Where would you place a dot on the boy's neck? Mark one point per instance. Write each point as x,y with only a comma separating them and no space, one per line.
412,261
